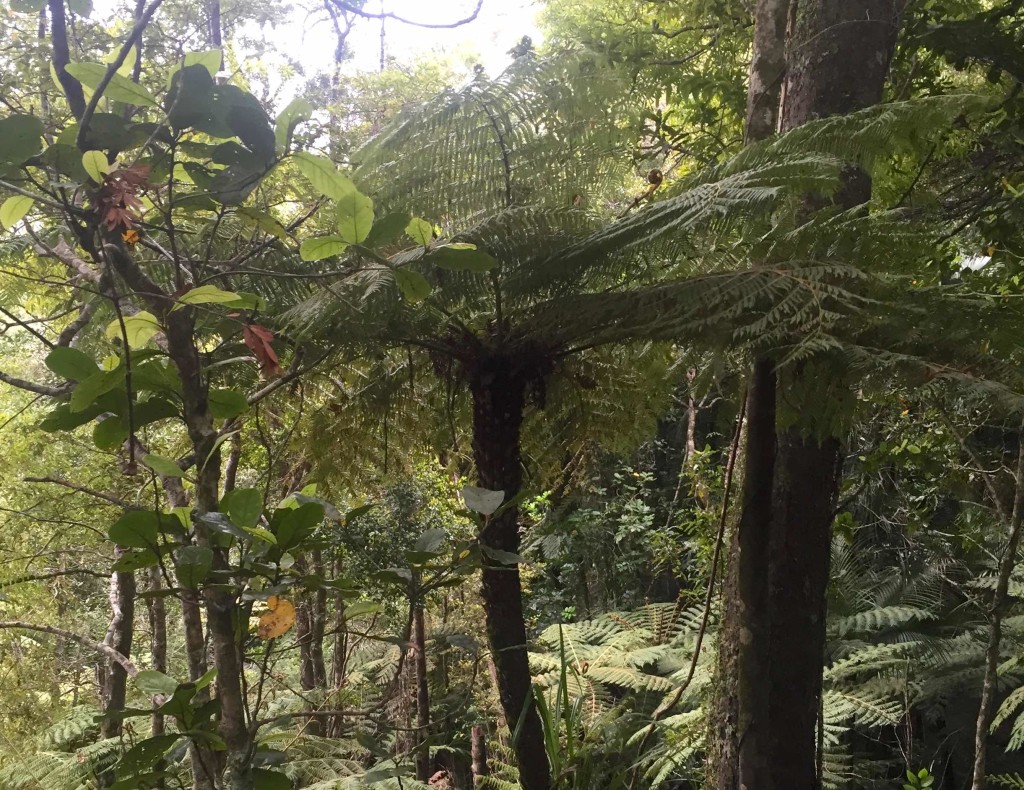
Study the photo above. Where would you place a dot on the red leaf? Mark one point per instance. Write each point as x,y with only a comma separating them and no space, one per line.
258,339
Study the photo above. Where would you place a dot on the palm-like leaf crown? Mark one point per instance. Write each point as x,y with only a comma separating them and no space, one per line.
527,168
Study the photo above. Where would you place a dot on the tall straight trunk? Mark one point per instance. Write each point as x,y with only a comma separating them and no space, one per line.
119,636
839,57
739,725
339,659
1007,564
157,636
221,605
478,751
828,57
498,389
419,645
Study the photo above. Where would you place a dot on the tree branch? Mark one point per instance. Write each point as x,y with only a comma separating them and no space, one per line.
345,6
96,647
122,55
108,498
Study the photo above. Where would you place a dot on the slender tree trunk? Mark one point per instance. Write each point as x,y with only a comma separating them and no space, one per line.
498,391
157,636
419,645
478,751
61,57
221,605
1007,563
119,636
339,658
739,736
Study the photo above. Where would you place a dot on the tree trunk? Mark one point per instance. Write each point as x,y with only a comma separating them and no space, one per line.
498,391
1007,564
478,750
119,636
419,645
157,636
221,605
839,57
339,659
739,725
774,623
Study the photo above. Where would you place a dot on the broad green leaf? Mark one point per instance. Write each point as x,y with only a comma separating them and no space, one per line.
227,404
206,294
360,608
266,779
136,529
482,500
209,59
244,505
83,8
140,760
461,258
323,175
420,231
135,560
139,329
413,285
20,138
430,541
298,111
119,89
193,564
386,230
90,388
71,363
150,681
316,249
165,467
13,210
355,217
263,221
504,557
96,165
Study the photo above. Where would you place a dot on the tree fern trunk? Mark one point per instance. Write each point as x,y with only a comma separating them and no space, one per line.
498,398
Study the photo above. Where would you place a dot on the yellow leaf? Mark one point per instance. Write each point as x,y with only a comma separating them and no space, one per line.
279,620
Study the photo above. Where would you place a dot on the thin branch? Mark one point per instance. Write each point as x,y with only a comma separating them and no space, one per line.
97,647
108,498
30,386
345,6
40,577
122,55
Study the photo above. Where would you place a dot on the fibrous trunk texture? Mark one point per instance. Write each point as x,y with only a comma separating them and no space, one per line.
498,390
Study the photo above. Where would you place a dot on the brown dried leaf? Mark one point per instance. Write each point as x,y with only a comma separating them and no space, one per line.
279,620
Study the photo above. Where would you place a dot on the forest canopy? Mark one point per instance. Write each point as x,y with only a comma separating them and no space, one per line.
585,395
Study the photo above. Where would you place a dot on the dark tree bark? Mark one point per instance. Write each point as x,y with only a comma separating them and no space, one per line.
157,636
738,734
419,646
836,59
61,57
839,57
498,387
